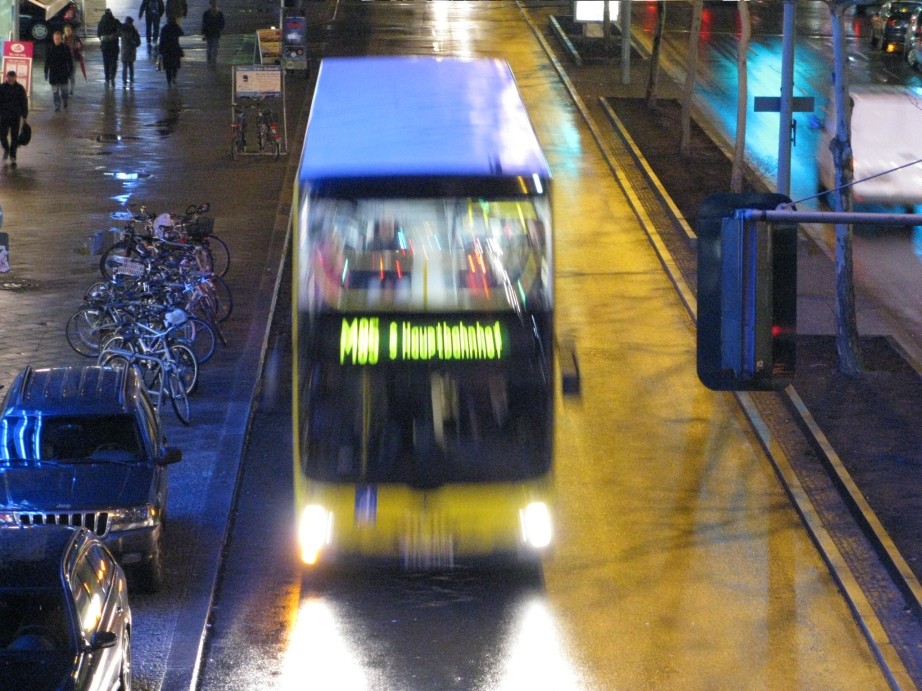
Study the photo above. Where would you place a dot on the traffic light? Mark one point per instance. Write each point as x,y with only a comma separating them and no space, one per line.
747,295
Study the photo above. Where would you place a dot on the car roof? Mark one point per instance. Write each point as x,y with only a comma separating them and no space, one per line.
86,390
31,556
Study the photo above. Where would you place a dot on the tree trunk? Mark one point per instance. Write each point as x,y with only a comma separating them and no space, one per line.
847,344
653,74
742,51
692,68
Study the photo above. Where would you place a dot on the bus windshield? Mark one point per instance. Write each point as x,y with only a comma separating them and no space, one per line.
431,411
426,254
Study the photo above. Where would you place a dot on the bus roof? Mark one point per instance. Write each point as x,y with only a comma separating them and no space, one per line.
386,117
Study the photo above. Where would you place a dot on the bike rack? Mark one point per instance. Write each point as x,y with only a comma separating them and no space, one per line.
252,87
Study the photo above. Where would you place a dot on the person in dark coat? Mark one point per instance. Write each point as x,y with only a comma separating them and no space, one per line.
212,26
130,39
177,9
170,50
14,107
108,32
59,65
151,10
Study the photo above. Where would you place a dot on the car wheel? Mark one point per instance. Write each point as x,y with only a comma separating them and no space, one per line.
39,31
124,674
151,571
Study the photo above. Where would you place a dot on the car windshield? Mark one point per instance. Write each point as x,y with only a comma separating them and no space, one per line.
33,620
101,438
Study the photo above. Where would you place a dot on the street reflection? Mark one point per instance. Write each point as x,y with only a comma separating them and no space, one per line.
486,631
318,655
535,659
451,33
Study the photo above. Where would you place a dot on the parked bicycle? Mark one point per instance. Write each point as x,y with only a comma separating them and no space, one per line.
167,366
267,130
238,132
268,136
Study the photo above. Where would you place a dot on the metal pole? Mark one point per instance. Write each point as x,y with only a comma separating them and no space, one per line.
625,42
783,216
785,118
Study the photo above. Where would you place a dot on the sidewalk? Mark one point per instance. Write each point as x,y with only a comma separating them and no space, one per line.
165,148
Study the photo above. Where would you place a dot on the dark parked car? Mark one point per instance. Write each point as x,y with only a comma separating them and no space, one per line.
65,622
889,26
83,446
33,25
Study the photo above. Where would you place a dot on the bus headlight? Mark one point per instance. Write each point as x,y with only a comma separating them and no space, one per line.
536,525
315,531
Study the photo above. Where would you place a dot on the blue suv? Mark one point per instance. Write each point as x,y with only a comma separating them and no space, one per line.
83,446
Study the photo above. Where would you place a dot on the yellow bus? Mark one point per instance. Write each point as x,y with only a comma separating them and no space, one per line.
422,317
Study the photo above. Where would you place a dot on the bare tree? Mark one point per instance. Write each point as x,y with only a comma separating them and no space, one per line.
692,68
742,96
847,345
653,74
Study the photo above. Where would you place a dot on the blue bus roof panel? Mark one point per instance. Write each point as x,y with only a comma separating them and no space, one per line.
418,116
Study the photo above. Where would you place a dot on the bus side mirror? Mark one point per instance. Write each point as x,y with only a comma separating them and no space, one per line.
747,295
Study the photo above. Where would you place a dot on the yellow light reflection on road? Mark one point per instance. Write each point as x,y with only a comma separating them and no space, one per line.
536,657
318,656
451,32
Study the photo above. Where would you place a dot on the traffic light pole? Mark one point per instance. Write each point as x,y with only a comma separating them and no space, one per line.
786,119
792,216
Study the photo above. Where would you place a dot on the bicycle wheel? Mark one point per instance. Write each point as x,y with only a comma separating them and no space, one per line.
224,303
114,360
261,136
121,258
200,337
220,254
186,365
87,328
178,397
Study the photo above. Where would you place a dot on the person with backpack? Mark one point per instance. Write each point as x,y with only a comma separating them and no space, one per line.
130,39
151,10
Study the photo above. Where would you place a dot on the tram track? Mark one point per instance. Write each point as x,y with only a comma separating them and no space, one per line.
879,586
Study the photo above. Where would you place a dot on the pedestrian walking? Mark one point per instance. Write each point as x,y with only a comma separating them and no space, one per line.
59,65
212,26
176,9
14,108
151,10
170,51
108,32
130,39
72,41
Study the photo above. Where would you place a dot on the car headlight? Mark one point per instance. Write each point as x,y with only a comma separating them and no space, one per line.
536,525
315,531
144,516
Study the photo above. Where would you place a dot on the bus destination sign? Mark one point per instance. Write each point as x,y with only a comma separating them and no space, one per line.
372,340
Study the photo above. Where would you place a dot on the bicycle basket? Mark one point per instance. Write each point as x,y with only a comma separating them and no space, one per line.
201,227
127,267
